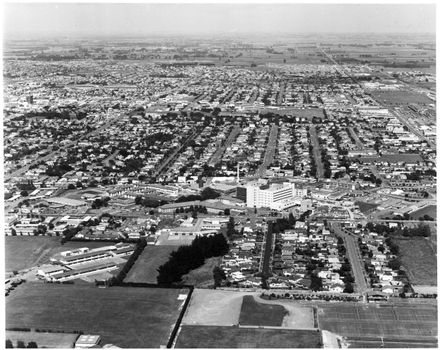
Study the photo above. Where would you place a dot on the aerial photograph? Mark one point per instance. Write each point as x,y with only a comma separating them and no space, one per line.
219,175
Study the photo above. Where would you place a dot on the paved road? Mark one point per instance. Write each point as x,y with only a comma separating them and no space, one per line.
220,150
355,258
359,143
316,153
270,151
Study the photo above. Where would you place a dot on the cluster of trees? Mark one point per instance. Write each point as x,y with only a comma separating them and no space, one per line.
99,203
418,231
58,169
188,258
194,209
69,233
119,278
207,193
148,202
21,344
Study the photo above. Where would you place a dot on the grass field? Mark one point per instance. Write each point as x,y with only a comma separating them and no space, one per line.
43,340
23,252
365,207
202,276
124,316
430,210
368,323
253,313
214,307
145,268
419,260
400,97
235,337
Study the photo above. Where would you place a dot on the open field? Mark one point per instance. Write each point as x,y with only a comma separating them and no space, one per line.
253,313
124,316
214,307
298,316
400,97
202,276
365,207
430,210
369,323
23,252
419,260
145,267
43,340
240,337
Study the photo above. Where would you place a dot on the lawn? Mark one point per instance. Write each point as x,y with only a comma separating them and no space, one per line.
239,337
43,340
145,268
256,314
419,260
124,316
23,252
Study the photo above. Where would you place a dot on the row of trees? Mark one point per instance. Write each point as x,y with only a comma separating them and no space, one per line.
187,258
21,344
207,193
418,231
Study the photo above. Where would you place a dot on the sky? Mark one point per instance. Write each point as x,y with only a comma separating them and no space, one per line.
137,19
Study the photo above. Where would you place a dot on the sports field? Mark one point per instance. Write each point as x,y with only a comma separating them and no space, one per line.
23,252
145,267
43,340
419,260
400,97
124,316
240,337
253,313
373,322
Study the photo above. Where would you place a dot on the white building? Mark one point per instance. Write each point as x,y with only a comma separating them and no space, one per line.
275,196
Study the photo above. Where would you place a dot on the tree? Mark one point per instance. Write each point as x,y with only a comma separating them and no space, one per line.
9,344
227,211
394,264
316,283
20,344
348,288
24,193
32,345
138,200
71,187
219,275
230,227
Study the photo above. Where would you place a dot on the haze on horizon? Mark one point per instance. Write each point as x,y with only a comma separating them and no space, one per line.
30,20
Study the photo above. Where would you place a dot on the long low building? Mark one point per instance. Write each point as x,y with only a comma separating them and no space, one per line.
73,274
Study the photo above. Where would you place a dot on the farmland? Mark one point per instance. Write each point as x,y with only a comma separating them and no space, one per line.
368,324
145,268
419,260
240,337
255,314
127,317
23,252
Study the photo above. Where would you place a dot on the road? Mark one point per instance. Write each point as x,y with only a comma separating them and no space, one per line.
355,257
359,143
270,151
220,150
316,153
164,165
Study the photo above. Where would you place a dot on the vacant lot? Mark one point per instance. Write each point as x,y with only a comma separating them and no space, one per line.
368,323
23,252
124,316
145,268
256,314
239,337
419,260
43,340
202,276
